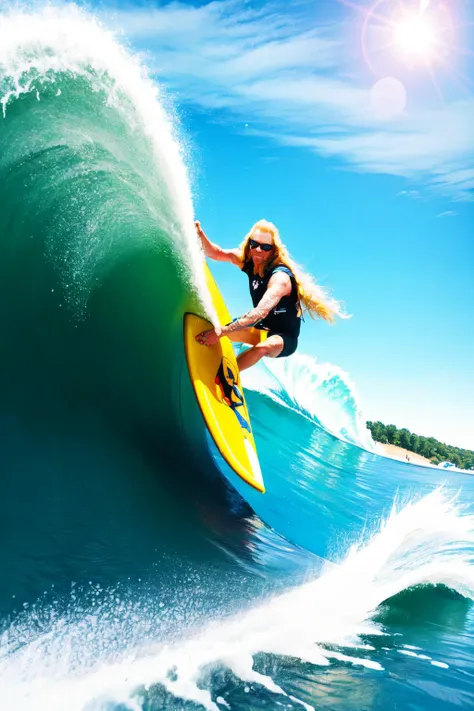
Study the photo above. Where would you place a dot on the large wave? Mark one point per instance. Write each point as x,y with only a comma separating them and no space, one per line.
98,254
98,262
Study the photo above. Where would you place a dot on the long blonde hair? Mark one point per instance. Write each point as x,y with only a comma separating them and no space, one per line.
313,298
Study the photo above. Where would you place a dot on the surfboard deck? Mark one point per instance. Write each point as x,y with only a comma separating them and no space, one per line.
216,381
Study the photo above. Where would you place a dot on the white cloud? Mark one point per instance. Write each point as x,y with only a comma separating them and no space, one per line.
413,194
447,213
286,77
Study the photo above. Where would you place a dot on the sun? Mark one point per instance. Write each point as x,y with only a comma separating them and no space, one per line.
415,36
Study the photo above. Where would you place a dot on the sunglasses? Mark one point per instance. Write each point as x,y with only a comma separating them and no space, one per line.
265,247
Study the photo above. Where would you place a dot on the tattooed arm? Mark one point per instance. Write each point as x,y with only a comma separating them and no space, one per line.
278,286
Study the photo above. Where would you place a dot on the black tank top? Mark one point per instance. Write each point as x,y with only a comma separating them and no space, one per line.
285,316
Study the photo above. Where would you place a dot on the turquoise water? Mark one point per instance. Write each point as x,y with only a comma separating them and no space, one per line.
137,571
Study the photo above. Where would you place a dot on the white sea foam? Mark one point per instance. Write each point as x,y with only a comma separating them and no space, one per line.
427,541
321,391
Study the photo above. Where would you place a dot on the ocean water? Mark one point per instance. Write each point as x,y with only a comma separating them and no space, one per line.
137,571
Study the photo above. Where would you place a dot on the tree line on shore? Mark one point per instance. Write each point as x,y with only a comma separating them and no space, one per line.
428,447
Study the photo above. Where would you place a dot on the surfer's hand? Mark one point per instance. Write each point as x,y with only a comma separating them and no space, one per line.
209,337
197,225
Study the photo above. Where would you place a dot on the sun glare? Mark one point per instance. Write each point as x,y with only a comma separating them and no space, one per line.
415,36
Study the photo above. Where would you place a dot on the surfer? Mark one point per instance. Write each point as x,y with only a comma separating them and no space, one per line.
280,291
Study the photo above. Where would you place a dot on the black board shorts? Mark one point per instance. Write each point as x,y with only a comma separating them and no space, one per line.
290,343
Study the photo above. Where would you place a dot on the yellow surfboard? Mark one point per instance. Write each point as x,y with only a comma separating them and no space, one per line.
216,380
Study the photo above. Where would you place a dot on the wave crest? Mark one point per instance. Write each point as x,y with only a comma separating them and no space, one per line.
321,391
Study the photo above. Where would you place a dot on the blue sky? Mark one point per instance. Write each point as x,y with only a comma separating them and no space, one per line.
305,114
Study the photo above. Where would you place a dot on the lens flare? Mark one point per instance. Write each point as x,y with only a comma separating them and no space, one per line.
413,35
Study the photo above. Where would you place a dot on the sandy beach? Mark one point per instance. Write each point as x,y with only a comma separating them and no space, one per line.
394,452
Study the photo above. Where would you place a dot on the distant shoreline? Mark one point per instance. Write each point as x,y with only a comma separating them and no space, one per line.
418,449
393,452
